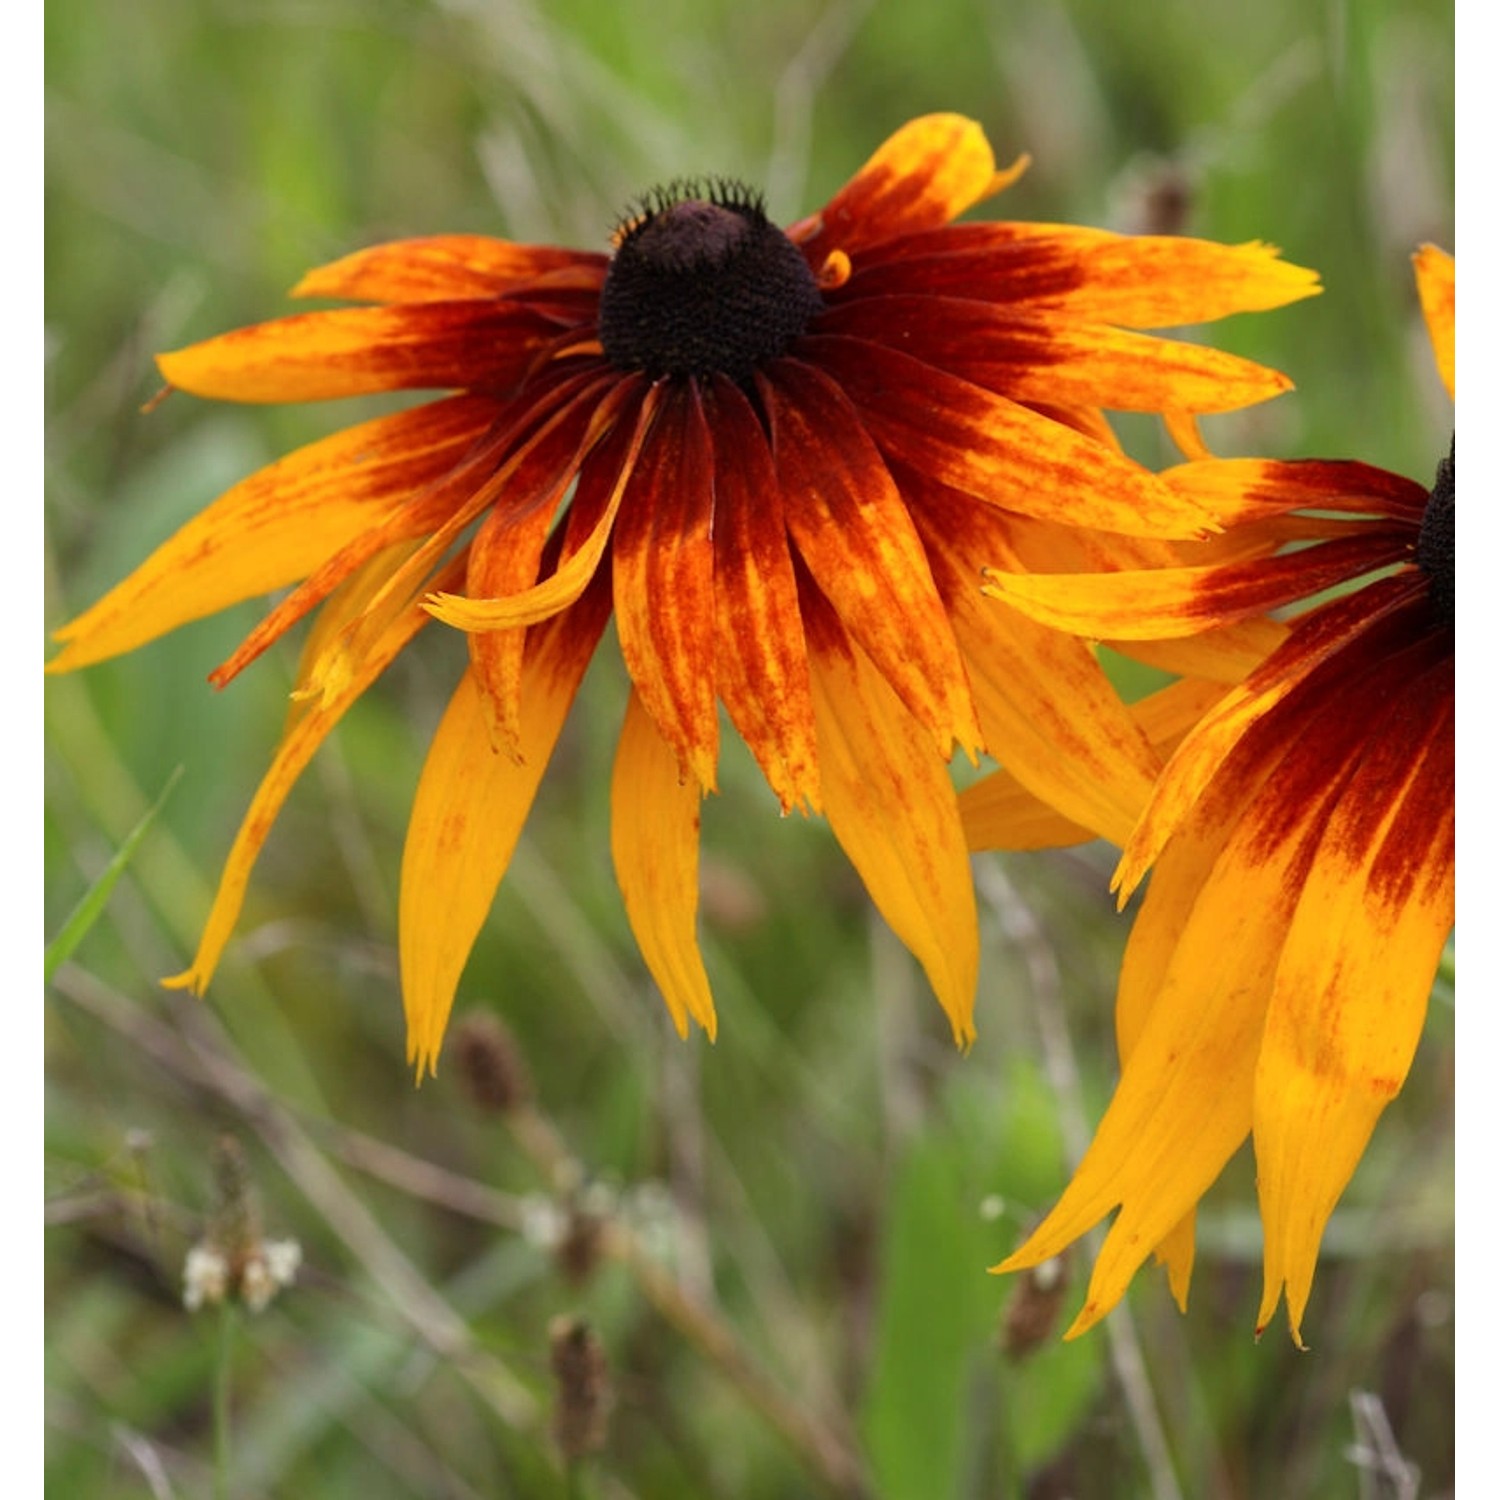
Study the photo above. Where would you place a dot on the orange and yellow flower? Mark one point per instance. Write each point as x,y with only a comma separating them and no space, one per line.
1302,838
780,461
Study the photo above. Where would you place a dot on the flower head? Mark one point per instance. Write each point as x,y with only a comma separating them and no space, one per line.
779,459
1302,838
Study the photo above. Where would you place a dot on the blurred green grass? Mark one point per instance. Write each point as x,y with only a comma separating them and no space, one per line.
836,1169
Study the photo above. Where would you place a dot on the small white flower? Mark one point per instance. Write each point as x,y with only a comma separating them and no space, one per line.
205,1277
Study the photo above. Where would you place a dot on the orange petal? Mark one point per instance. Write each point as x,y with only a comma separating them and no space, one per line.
997,450
761,661
355,351
470,807
664,580
440,268
1048,712
928,173
278,525
891,806
630,414
1168,602
654,820
297,746
1435,285
1036,357
852,529
1225,654
1090,275
1351,991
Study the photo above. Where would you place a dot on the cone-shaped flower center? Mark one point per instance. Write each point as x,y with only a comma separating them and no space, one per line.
702,282
1435,540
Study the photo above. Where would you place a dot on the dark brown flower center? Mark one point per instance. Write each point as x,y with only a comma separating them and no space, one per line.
1435,555
702,282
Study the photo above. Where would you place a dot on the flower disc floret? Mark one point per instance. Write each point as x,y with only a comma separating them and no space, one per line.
702,283
1435,555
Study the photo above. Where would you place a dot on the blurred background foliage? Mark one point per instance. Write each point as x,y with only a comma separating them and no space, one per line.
822,1189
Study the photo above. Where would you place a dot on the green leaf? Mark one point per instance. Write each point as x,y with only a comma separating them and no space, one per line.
86,913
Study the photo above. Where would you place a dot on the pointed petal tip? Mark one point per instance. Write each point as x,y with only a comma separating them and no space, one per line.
190,980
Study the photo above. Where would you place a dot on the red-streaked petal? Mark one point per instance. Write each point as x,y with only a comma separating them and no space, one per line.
1169,602
632,408
488,345
1435,287
308,730
1037,357
663,558
1139,281
470,807
1240,490
1351,990
441,268
891,806
278,525
654,825
926,174
997,450
1334,638
851,527
761,661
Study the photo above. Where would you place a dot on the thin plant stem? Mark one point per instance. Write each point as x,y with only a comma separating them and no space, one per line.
223,1386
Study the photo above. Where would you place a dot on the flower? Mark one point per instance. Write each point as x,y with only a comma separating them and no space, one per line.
780,460
1278,973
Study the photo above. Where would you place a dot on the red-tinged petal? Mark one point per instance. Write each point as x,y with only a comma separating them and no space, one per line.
664,581
441,268
297,746
470,807
851,527
1140,281
997,450
632,409
1351,991
1241,490
1435,284
1328,640
1170,602
928,173
1048,712
279,525
488,345
654,824
891,806
1037,357
761,656
1088,420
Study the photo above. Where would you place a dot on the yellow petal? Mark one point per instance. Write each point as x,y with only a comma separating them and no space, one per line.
297,746
1435,284
1351,992
891,805
654,822
278,525
471,804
